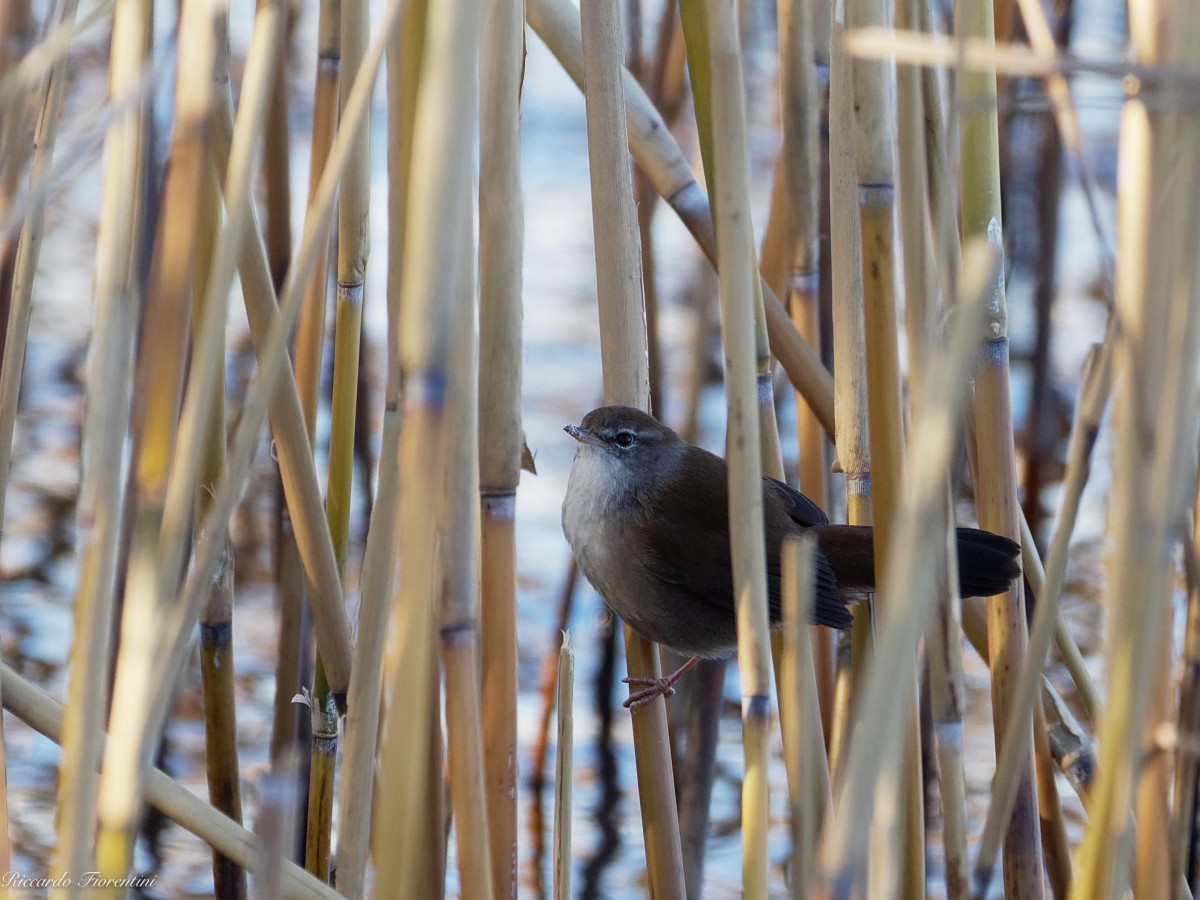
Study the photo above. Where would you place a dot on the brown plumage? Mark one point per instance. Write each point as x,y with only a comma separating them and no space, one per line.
647,516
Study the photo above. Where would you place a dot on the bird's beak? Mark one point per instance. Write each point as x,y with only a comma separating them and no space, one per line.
583,435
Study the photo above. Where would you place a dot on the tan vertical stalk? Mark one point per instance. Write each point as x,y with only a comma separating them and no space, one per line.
1154,385
275,825
458,587
737,263
276,167
808,786
1093,397
102,483
362,717
996,487
353,210
908,586
564,753
501,243
849,351
440,186
623,351
216,621
292,663
801,168
944,635
874,123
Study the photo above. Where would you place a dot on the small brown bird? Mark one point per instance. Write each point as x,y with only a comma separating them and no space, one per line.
647,517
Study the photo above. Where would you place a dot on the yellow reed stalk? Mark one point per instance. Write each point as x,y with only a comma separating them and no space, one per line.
292,664
1093,397
995,486
458,586
361,724
563,773
808,785
1153,383
353,208
216,621
45,715
623,352
800,166
908,586
501,242
944,635
438,196
738,266
102,488
849,350
873,135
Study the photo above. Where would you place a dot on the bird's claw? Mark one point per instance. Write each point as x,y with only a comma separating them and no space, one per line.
655,687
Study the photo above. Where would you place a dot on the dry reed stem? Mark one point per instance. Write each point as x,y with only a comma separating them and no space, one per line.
739,275
29,73
908,585
943,639
276,163
438,197
1012,60
1153,394
874,119
623,352
45,715
378,572
103,481
564,753
458,550
808,785
276,824
996,489
1093,397
501,242
851,441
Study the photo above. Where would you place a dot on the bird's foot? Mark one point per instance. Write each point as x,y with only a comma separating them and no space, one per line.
655,687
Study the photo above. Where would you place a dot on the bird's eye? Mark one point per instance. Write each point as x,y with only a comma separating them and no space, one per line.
624,439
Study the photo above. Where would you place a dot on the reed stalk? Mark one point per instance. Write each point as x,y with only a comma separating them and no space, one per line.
873,135
800,166
947,693
438,198
352,245
103,482
276,164
908,585
1153,393
405,53
564,754
1183,822
45,715
737,262
501,243
216,620
852,447
16,150
995,486
1093,397
809,795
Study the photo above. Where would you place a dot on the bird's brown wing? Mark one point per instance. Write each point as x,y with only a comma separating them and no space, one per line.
703,503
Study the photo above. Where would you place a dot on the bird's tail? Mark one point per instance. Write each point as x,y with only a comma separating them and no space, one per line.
987,563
